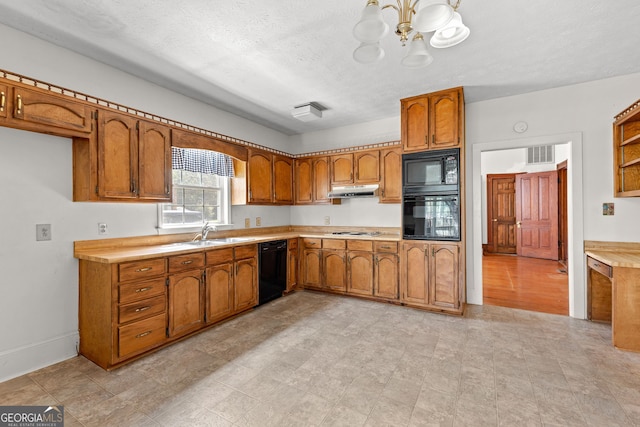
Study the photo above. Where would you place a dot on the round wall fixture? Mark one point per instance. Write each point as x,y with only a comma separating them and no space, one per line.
521,127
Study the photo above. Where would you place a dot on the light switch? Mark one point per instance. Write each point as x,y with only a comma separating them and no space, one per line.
43,232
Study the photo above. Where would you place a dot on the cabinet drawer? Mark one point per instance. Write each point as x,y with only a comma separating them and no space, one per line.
141,335
599,267
334,244
140,290
312,243
142,309
141,269
360,245
186,262
219,256
391,247
248,251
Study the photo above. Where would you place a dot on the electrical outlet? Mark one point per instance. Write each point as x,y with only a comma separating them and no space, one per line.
247,222
258,221
327,220
102,228
43,232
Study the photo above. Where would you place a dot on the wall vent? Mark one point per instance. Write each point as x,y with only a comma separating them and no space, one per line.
540,154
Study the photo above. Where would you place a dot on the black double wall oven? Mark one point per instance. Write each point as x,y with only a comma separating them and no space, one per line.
431,195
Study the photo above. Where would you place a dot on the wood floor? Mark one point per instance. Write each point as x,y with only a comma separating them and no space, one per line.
525,283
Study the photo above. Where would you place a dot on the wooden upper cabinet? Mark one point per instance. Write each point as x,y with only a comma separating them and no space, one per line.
366,166
626,152
415,124
134,158
391,176
320,168
4,101
45,113
342,169
260,177
432,121
117,156
282,180
154,161
303,180
444,120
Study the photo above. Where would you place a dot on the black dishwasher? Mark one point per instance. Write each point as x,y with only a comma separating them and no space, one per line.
273,270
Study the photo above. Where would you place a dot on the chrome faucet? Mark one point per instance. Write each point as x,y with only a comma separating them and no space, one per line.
206,228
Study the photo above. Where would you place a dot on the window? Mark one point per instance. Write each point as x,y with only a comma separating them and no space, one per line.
198,197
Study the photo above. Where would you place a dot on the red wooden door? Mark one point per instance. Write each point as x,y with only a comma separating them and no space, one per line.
537,215
501,209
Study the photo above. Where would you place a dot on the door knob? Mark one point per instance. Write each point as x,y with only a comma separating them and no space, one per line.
518,224
495,219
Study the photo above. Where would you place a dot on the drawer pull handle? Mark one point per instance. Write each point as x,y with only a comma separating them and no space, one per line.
138,310
595,264
144,334
143,289
142,270
19,105
3,100
187,262
385,247
312,243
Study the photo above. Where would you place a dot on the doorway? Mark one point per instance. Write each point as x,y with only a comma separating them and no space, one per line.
574,249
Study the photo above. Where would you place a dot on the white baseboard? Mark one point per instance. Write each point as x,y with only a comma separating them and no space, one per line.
29,358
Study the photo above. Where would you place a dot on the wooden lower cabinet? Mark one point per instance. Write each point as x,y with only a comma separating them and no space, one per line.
292,264
131,308
431,275
334,268
360,273
385,276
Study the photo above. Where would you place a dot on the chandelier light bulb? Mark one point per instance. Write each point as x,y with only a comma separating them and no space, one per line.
372,26
454,33
432,15
418,55
368,53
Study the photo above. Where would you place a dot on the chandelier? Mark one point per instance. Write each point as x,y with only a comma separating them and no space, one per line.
423,16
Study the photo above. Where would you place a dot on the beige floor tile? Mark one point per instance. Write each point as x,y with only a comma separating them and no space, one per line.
316,359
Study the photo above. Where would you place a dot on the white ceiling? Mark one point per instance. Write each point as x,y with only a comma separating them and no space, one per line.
259,59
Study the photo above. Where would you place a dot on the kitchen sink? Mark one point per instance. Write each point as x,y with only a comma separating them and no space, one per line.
233,239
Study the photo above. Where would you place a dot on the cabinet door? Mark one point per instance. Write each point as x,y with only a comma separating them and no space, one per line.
154,161
444,120
334,268
117,156
360,273
312,268
292,268
282,180
47,111
321,180
367,167
260,179
386,276
219,292
415,273
342,169
415,124
304,191
391,176
444,275
186,308
246,284
4,98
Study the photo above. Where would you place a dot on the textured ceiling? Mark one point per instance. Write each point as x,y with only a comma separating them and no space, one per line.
259,59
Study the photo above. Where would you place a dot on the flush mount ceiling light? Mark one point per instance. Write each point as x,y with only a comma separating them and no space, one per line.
307,112
423,16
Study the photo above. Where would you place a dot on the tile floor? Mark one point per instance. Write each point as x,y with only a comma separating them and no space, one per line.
313,359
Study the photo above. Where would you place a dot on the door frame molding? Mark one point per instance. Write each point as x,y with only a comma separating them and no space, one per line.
576,259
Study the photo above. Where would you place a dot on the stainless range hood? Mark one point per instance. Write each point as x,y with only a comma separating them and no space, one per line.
353,191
